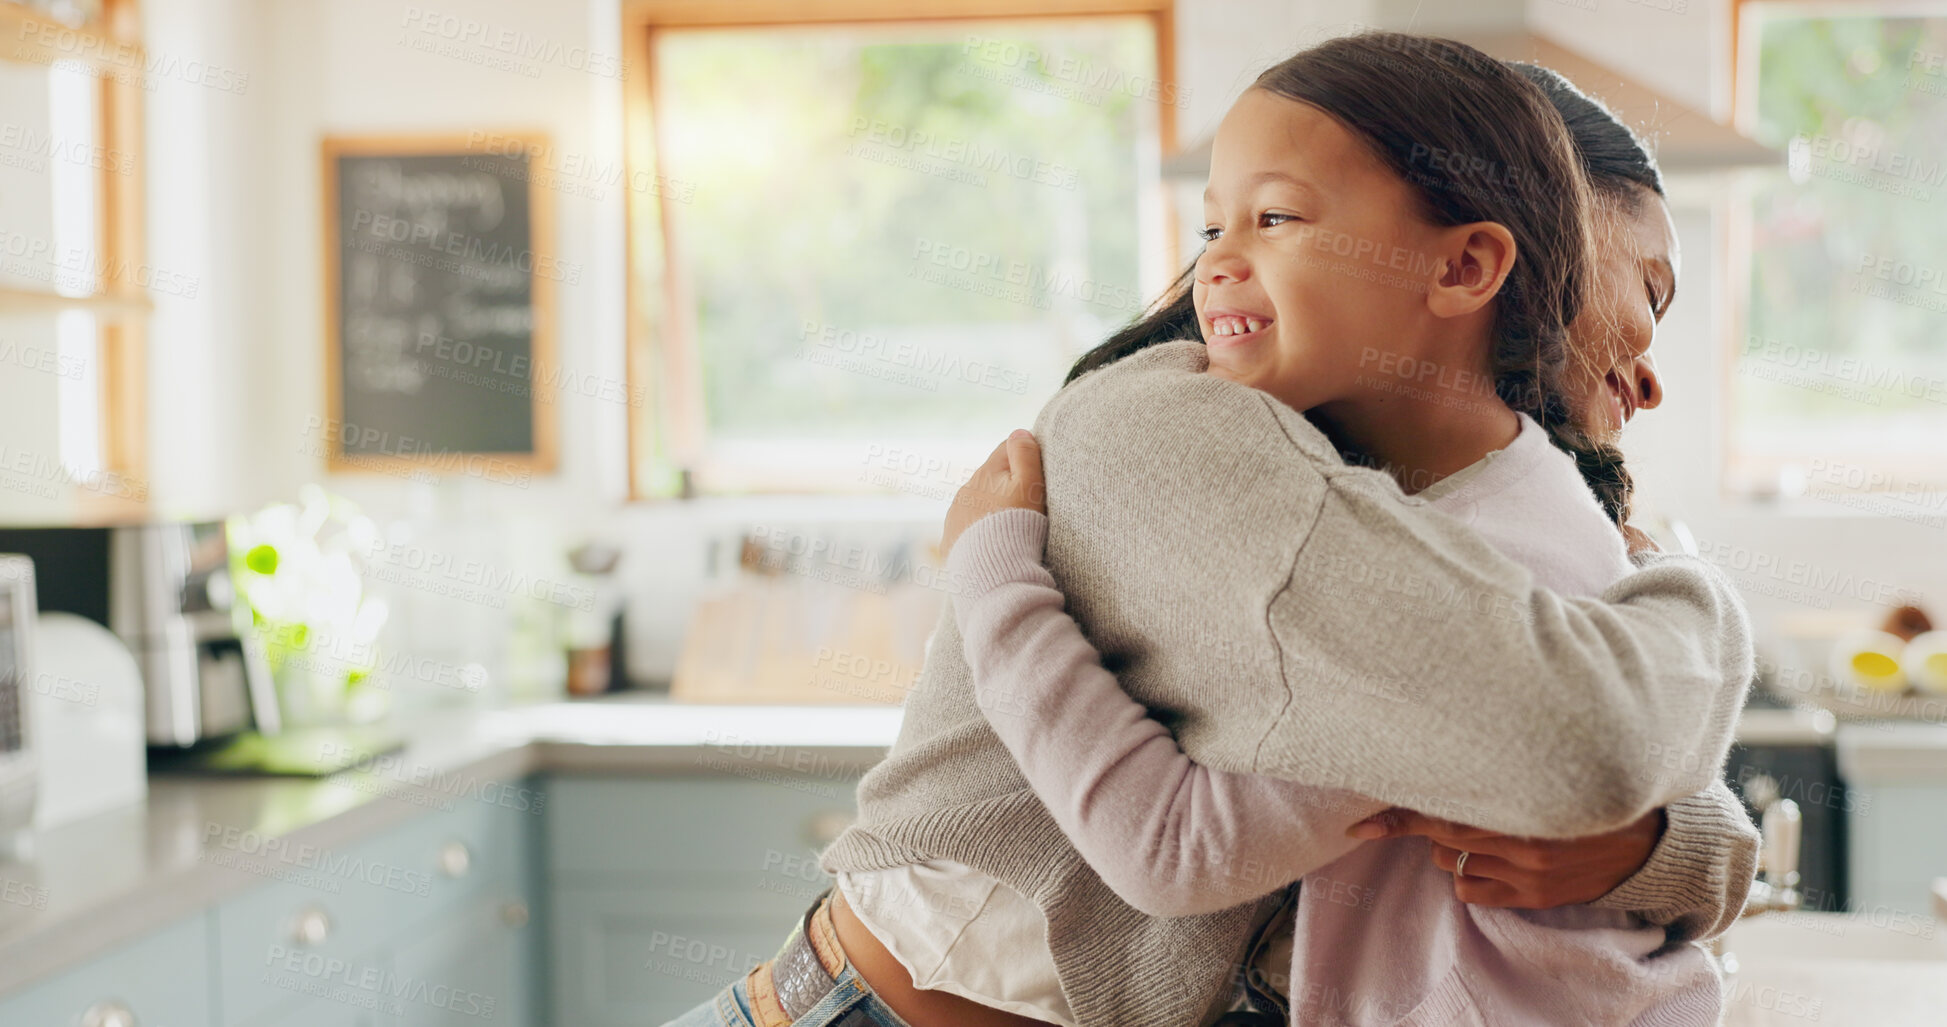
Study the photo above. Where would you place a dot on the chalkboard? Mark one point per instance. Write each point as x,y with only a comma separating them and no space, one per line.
439,278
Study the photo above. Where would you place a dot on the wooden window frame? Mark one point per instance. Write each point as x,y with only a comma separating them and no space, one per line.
122,308
662,357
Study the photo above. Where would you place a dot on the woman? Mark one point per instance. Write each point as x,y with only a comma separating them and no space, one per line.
1378,935
1168,966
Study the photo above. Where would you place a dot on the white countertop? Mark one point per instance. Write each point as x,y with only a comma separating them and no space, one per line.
86,887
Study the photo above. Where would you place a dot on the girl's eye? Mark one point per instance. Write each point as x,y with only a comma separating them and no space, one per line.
1209,233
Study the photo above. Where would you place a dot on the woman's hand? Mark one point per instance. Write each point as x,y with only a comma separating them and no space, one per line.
1011,478
1525,873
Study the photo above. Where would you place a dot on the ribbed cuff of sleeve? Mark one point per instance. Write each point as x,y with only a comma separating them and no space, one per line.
1697,877
1003,546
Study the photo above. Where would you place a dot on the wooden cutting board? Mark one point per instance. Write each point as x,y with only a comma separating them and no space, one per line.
788,640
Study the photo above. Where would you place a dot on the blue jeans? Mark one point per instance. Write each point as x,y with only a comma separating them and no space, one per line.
851,1004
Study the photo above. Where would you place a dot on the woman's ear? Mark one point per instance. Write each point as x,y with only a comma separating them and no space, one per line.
1475,260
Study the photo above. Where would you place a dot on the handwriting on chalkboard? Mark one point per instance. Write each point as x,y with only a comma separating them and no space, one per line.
439,305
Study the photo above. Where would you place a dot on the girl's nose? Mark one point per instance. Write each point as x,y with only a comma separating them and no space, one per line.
1220,263
1649,389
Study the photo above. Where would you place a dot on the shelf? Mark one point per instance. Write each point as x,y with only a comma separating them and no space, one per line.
105,304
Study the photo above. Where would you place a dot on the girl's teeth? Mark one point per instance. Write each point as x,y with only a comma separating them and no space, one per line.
1232,325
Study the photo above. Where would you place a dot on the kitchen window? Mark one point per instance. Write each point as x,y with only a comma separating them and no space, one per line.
866,249
1838,389
74,289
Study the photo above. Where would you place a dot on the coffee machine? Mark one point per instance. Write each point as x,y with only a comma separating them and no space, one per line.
164,589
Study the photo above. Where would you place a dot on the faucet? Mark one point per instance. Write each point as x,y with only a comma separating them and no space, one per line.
1776,889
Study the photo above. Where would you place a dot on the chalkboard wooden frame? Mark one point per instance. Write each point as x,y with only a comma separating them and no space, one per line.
507,466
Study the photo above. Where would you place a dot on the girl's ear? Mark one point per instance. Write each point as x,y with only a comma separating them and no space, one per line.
1475,260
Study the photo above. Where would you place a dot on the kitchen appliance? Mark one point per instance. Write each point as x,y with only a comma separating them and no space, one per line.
85,708
164,589
18,771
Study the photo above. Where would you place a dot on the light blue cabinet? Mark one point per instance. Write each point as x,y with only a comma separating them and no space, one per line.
662,891
477,966
162,980
425,924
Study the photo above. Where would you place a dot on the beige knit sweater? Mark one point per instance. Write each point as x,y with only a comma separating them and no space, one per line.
1365,643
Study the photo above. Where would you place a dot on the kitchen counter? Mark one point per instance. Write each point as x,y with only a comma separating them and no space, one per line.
85,887
88,886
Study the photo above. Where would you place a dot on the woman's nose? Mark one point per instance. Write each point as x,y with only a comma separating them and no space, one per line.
1649,389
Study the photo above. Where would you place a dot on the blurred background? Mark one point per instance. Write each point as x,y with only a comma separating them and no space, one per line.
401,399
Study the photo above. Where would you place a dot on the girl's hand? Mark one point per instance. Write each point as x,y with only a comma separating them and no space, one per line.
1525,873
1011,478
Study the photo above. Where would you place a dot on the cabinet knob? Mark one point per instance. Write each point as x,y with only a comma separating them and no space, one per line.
111,1013
514,914
825,826
311,926
455,859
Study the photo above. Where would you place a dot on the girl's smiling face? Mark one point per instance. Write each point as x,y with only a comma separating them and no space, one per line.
1311,244
1611,376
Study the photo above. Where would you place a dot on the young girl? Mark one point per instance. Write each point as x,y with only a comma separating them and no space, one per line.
1379,935
1194,511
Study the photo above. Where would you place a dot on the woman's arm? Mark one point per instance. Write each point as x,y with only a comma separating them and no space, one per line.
1686,867
1696,880
1170,837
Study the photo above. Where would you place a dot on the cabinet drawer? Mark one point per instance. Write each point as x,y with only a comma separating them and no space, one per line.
696,829
317,928
463,852
162,980
623,958
476,965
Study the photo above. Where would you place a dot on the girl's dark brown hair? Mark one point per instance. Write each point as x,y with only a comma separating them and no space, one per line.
1475,140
